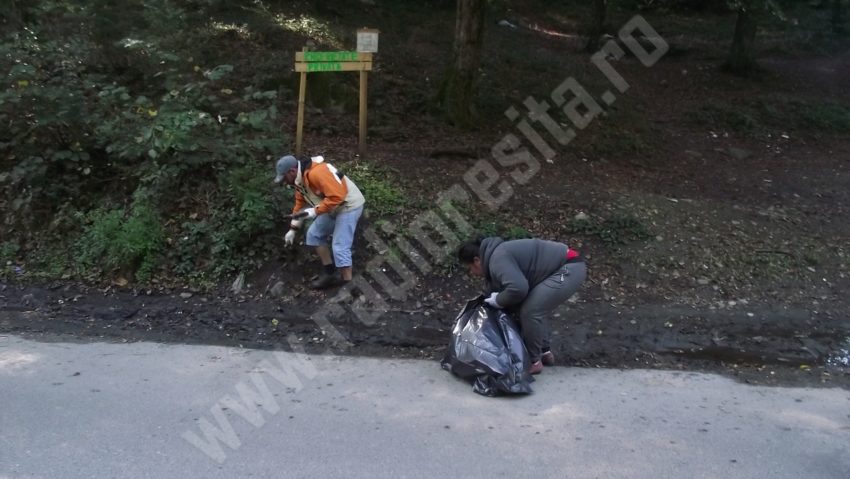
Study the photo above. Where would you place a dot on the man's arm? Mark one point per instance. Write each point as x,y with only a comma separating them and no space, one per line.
299,202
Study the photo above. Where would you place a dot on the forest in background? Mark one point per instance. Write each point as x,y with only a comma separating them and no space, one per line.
138,137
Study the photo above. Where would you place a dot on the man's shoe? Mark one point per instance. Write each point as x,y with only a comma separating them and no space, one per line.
326,281
548,358
536,367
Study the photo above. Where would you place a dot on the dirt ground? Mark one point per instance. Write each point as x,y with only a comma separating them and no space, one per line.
744,268
759,343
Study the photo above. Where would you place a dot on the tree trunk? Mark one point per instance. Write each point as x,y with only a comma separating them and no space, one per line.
457,95
742,55
598,25
14,15
838,17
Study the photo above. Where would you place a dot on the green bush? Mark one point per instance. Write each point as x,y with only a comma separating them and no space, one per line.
383,195
106,102
248,188
113,239
65,122
234,230
9,251
8,256
249,210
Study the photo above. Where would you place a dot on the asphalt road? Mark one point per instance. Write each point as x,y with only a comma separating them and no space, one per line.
149,410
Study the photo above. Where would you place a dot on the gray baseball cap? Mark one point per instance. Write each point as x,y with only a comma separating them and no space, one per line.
283,166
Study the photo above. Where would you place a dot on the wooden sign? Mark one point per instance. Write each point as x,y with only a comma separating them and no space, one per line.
332,62
316,67
332,57
318,62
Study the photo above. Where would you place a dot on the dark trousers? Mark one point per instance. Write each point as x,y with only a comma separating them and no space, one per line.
541,302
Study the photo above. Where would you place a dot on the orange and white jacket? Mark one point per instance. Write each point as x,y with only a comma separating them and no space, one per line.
323,187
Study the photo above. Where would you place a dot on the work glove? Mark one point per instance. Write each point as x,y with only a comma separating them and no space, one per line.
311,213
289,239
491,301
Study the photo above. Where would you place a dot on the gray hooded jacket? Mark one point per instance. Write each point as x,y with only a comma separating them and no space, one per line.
513,268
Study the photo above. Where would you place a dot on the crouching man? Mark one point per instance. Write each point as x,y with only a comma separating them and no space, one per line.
334,203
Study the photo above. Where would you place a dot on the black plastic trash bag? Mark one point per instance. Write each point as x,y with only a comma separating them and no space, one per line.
487,349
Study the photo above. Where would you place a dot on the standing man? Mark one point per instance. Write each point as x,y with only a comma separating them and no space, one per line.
530,278
334,202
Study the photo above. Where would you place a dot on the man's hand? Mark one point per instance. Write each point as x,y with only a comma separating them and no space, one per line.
309,213
289,239
491,301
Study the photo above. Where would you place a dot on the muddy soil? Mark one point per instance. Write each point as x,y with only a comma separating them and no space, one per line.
754,343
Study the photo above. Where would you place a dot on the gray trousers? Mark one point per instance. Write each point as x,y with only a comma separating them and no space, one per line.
541,302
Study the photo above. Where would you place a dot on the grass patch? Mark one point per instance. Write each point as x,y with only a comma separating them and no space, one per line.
757,117
619,229
621,131
9,251
384,195
488,225
49,264
614,141
114,239
8,256
830,117
762,266
742,120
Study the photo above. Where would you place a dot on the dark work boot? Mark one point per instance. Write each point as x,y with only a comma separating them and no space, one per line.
326,280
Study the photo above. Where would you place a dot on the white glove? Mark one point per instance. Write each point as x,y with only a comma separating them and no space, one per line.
491,301
289,239
311,213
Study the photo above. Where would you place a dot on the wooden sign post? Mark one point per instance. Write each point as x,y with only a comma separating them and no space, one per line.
318,62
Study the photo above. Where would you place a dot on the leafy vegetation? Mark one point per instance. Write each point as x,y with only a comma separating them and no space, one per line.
496,225
113,239
617,230
380,186
143,120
